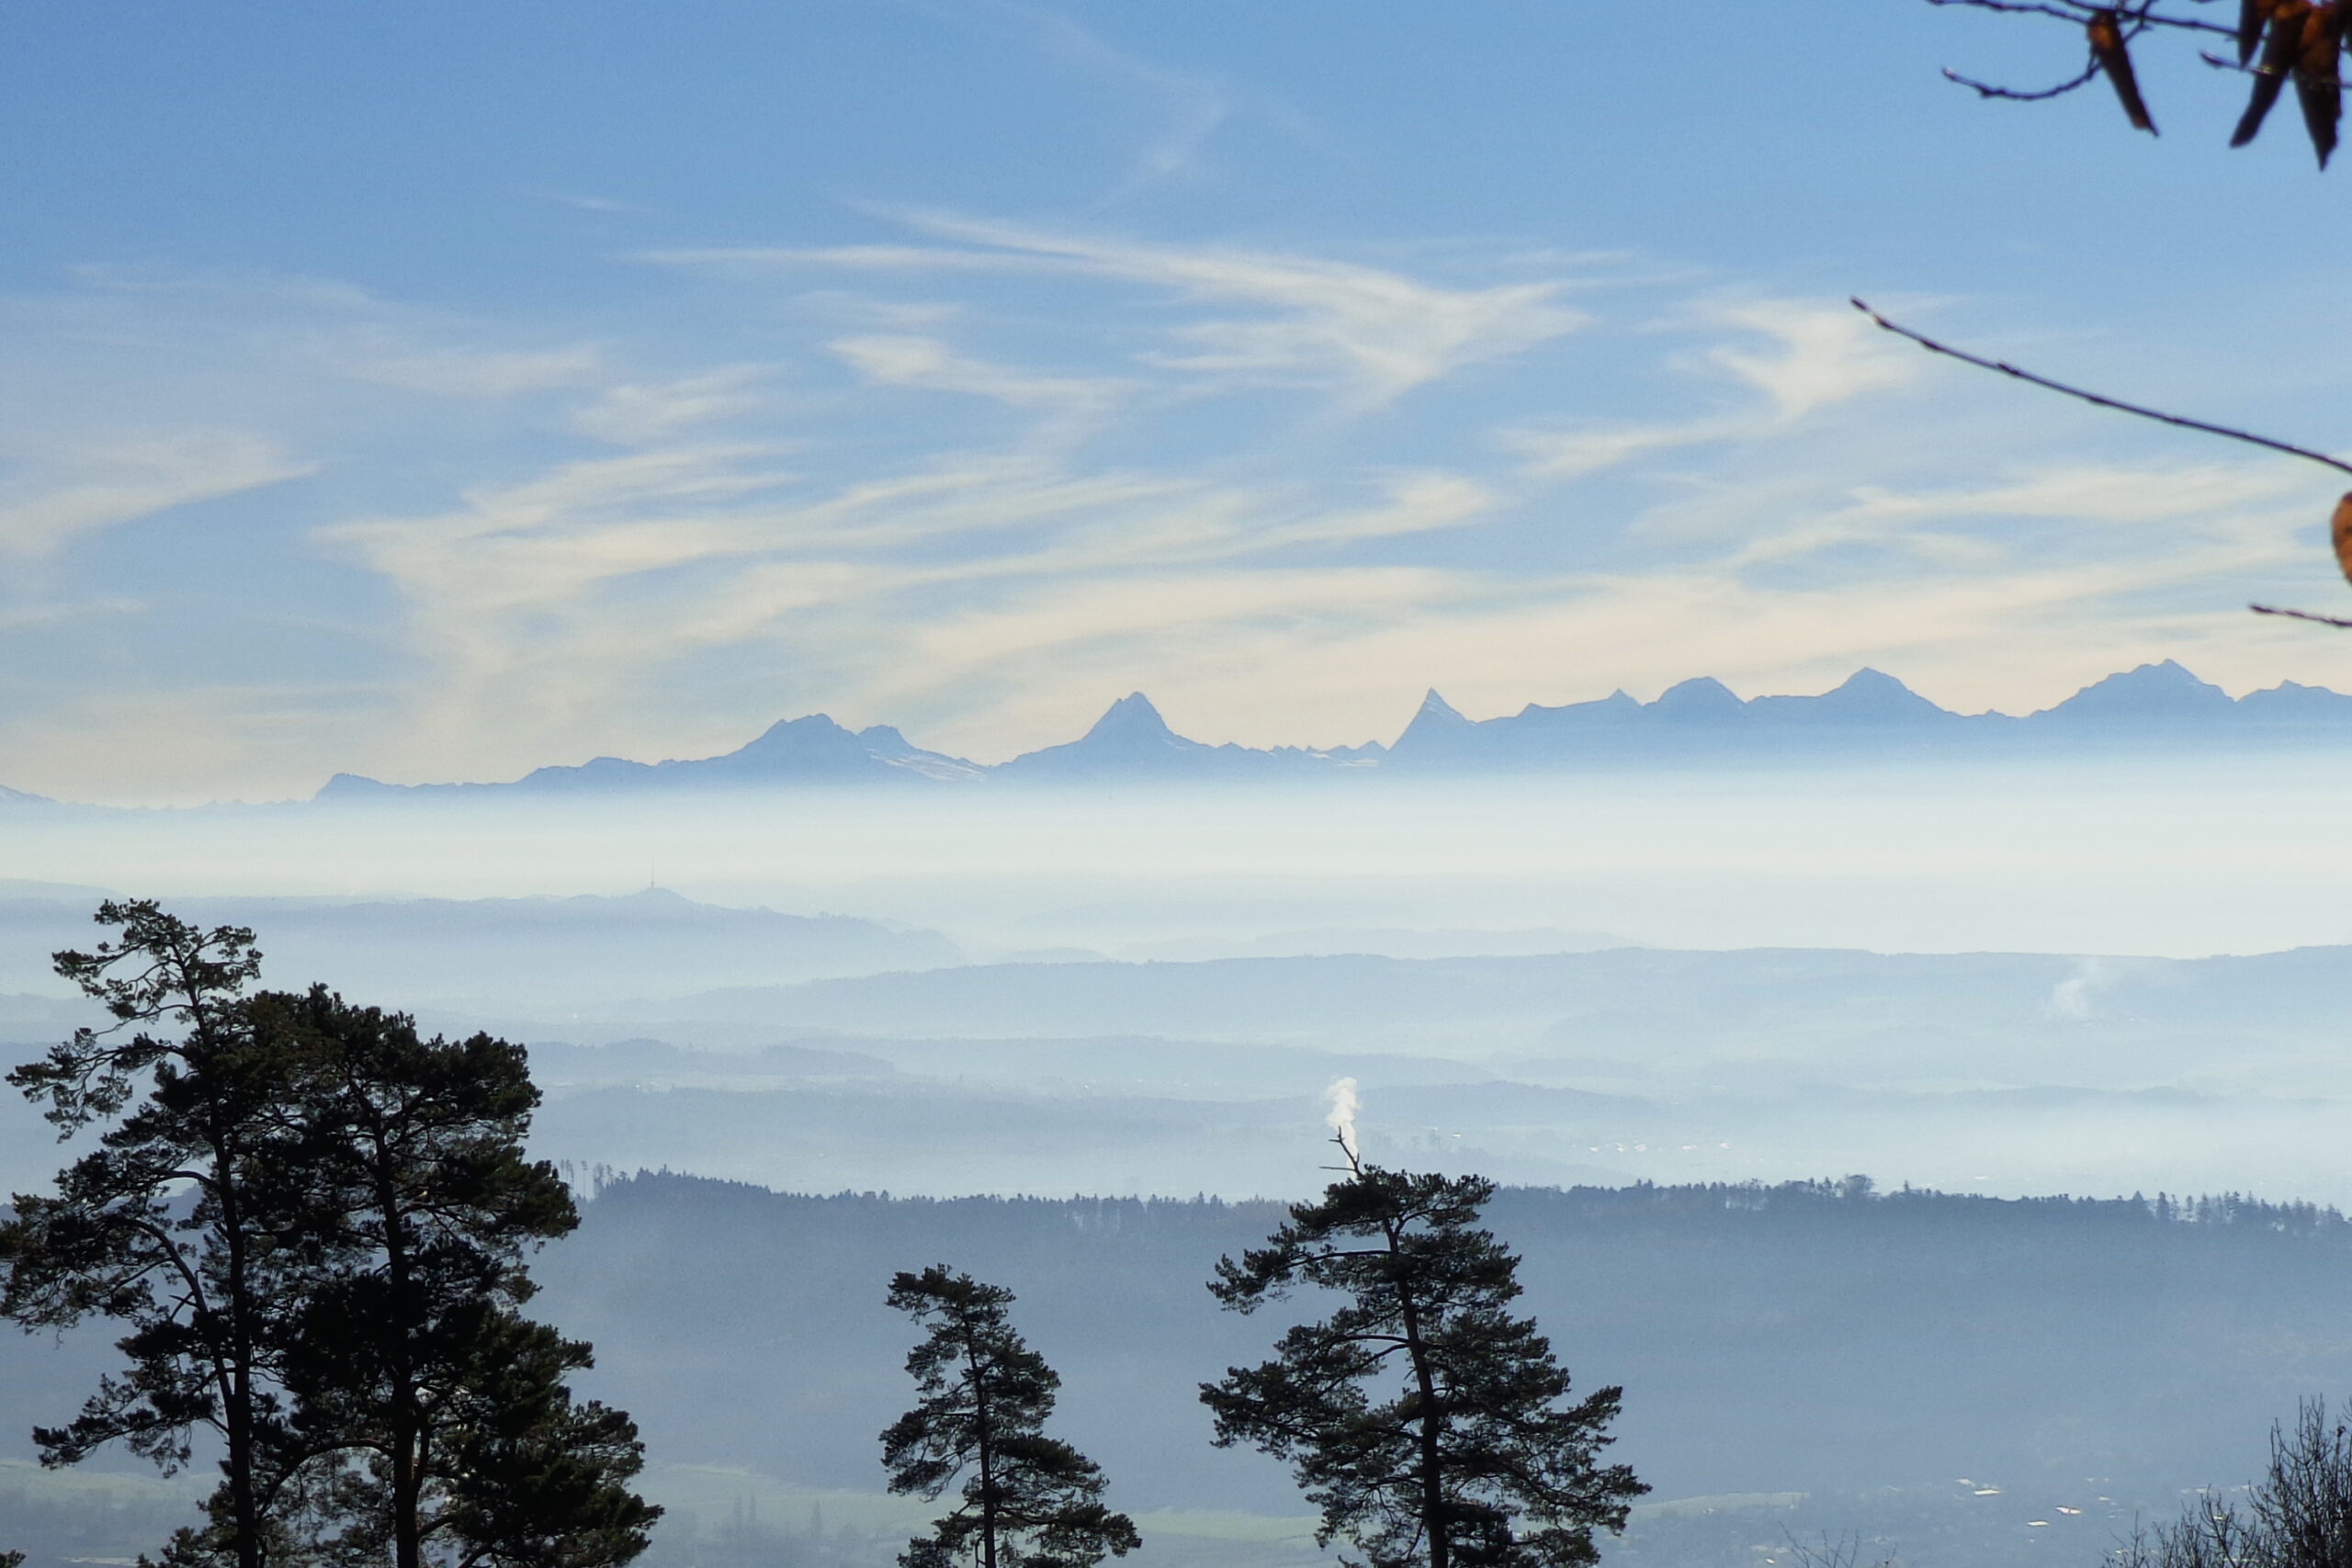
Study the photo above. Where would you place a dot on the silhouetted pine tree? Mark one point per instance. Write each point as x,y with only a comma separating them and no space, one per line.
1028,1501
157,1227
438,1416
1425,1421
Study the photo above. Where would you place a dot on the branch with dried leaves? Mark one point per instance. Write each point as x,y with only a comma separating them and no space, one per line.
2301,41
2339,525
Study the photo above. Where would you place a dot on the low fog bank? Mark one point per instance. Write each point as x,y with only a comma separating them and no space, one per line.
2175,856
554,953
1600,979
1997,1073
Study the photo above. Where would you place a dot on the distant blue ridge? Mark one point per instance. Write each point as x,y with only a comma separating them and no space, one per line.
1871,716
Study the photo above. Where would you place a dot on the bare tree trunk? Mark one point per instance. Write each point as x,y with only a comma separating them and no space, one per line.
237,1356
1431,1424
988,1459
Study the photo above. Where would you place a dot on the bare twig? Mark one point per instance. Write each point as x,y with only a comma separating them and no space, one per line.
2079,12
2060,11
2300,616
2218,63
1987,89
2006,368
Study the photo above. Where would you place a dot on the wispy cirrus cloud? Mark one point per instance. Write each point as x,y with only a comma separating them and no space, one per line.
1367,334
928,363
1798,357
978,482
644,413
58,492
457,372
1188,109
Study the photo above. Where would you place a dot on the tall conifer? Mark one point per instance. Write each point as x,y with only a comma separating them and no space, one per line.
158,1226
1431,1426
1028,1501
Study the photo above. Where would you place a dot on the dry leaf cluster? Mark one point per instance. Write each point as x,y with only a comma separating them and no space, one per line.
2274,42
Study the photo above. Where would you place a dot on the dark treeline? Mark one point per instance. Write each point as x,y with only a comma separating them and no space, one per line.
1793,1202
1812,1336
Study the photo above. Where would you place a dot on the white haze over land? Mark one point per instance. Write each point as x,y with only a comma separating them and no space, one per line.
1141,990
2151,856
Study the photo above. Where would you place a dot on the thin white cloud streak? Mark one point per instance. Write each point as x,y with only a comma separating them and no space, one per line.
1191,108
1815,357
65,492
1367,334
1824,354
927,364
634,414
2208,503
485,374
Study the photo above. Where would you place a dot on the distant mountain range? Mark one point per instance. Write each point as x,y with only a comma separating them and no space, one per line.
2154,707
2157,707
1130,741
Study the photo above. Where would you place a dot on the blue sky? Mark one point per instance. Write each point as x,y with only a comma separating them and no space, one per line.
436,390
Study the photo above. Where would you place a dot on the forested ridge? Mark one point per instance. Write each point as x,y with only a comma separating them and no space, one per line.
1816,1336
1758,1330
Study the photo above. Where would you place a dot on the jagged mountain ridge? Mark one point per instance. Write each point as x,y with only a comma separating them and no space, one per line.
1131,737
813,750
1870,715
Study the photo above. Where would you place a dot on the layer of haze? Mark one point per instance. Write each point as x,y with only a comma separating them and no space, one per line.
2151,856
1149,992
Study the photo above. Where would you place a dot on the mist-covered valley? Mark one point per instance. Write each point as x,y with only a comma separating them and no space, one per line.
2006,981
1086,1045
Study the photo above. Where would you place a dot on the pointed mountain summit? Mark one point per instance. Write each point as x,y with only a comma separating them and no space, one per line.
1436,712
1129,740
1437,730
1132,724
1132,741
2159,695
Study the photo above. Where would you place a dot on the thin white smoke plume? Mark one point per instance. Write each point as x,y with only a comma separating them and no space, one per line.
1343,1118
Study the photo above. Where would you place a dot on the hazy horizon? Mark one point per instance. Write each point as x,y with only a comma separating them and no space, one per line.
1145,990
2171,855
